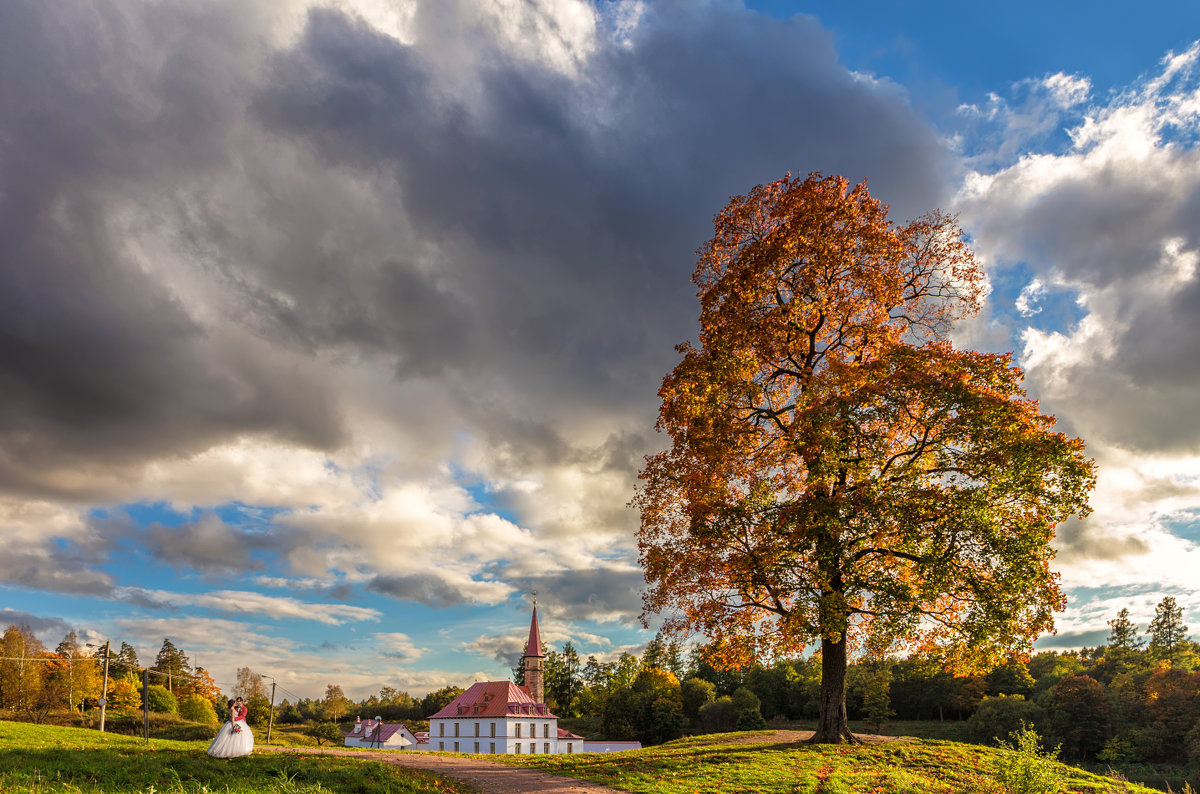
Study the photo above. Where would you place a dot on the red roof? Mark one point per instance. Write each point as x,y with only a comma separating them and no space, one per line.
565,734
493,699
534,646
377,731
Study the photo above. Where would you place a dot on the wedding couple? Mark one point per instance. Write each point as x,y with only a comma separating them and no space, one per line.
234,738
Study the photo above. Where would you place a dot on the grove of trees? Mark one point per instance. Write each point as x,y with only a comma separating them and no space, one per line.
1134,698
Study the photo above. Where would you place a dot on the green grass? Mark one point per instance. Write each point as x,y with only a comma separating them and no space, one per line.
42,758
713,765
47,758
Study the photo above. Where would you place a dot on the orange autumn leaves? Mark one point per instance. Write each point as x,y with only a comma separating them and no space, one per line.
838,469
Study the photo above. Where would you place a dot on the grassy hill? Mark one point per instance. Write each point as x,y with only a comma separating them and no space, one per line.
42,758
732,763
48,758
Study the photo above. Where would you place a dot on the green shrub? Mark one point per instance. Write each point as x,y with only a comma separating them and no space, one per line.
325,732
198,708
161,700
1120,749
1001,716
747,707
1026,768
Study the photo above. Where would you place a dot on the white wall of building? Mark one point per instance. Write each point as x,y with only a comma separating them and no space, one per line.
526,735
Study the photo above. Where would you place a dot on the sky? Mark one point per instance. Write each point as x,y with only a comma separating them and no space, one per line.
330,330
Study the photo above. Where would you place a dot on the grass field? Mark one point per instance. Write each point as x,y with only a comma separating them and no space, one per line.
714,765
41,758
46,758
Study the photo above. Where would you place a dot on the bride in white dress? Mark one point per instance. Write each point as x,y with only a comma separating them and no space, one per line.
234,739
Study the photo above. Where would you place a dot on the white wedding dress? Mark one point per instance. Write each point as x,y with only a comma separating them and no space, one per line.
229,743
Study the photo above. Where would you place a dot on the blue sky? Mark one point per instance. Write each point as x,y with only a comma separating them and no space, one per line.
331,329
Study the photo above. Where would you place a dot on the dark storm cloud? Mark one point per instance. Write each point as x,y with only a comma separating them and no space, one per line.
208,545
54,569
99,360
573,205
201,238
597,594
564,211
427,589
42,626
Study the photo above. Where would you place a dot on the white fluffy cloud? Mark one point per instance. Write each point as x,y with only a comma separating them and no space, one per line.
1112,218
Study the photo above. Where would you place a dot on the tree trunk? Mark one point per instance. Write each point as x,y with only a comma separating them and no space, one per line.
833,726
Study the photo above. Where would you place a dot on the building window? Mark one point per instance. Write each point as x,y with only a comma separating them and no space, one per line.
569,746
533,748
518,748
456,747
518,730
493,730
441,745
476,748
532,730
441,729
546,748
492,748
456,729
477,729
546,731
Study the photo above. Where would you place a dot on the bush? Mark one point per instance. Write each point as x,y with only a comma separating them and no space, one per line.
1120,749
325,732
161,701
1026,769
198,708
998,717
746,708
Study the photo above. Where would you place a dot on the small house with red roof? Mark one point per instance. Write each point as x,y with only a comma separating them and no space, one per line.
499,717
379,734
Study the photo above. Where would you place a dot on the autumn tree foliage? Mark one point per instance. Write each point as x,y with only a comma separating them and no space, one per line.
840,473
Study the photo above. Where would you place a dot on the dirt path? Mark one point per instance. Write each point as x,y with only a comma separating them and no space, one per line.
492,778
487,776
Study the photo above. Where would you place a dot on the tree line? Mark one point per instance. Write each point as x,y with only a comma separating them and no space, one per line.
1134,698
36,682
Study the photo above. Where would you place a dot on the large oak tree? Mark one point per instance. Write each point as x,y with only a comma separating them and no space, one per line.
840,473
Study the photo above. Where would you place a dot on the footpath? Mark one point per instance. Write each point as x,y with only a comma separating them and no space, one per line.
486,776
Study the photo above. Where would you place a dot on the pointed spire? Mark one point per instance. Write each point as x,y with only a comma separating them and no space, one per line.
533,661
534,646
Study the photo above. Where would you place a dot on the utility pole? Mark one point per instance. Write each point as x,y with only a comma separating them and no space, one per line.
271,718
104,686
146,704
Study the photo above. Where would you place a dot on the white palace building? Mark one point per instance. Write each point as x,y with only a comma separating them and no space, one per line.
492,717
501,717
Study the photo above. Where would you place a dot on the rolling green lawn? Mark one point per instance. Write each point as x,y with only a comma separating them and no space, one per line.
712,765
42,758
46,758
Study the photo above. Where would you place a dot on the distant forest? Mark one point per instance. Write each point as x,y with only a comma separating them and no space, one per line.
1135,698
